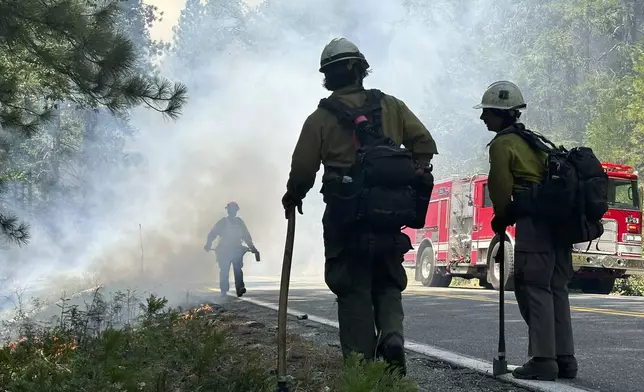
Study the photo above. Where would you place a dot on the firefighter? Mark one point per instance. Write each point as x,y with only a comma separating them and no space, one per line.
232,231
542,266
368,286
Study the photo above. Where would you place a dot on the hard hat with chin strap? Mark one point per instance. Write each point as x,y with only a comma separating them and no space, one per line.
232,205
340,49
502,95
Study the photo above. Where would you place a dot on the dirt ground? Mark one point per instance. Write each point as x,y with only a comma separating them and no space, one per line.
314,356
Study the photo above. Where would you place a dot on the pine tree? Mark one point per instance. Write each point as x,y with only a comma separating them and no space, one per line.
188,39
74,51
137,20
55,50
203,34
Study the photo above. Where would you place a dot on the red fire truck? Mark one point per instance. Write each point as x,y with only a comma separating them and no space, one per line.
457,239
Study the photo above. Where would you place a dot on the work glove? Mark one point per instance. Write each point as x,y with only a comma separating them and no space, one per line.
206,248
499,225
290,201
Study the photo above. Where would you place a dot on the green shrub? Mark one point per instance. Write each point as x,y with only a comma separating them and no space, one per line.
127,346
462,282
166,351
367,376
633,285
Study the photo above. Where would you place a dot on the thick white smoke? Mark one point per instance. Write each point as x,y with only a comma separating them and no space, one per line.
234,142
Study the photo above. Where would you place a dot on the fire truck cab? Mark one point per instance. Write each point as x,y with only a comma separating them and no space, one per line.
458,240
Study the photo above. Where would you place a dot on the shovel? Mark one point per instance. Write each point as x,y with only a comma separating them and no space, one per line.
500,364
282,380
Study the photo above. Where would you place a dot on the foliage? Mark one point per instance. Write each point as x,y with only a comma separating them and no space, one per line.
124,345
13,229
69,50
633,285
616,131
69,71
137,19
169,350
462,282
202,37
365,376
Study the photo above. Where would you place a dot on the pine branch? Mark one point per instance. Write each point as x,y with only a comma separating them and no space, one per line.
14,117
16,232
154,92
72,48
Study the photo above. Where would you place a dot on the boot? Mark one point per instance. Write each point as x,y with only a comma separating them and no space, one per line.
241,291
544,369
567,366
392,351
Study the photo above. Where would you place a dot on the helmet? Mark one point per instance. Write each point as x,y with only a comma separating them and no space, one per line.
340,49
233,205
502,95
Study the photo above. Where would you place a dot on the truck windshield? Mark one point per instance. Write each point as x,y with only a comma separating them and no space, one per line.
623,194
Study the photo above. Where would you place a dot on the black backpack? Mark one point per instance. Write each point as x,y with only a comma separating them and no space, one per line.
573,195
385,188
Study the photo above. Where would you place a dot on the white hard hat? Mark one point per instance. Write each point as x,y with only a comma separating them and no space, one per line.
502,95
340,49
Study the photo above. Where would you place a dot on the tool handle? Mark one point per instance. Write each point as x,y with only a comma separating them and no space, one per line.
283,300
501,259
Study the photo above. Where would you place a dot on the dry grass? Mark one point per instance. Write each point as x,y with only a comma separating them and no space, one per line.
207,348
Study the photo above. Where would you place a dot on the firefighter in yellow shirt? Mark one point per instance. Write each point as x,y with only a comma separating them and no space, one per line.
367,282
542,266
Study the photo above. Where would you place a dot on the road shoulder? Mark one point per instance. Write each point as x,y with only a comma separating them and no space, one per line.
432,375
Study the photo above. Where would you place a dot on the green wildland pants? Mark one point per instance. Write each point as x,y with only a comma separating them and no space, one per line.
542,271
364,270
369,295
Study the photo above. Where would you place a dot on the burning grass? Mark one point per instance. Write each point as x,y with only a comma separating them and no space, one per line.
205,349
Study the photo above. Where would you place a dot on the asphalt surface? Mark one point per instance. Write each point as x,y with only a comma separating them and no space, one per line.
608,330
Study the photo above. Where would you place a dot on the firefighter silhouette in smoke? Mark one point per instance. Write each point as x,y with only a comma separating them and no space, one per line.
363,266
542,265
231,231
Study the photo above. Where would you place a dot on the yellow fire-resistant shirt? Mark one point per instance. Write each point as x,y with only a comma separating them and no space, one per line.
512,160
324,140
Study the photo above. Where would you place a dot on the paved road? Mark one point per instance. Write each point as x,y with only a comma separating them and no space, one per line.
609,331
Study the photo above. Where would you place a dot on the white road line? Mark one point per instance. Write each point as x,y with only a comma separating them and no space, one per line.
452,358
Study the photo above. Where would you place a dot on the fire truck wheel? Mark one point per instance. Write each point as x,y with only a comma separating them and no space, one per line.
431,275
597,286
494,270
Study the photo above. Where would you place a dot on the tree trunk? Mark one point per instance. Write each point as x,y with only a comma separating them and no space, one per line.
629,21
30,192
